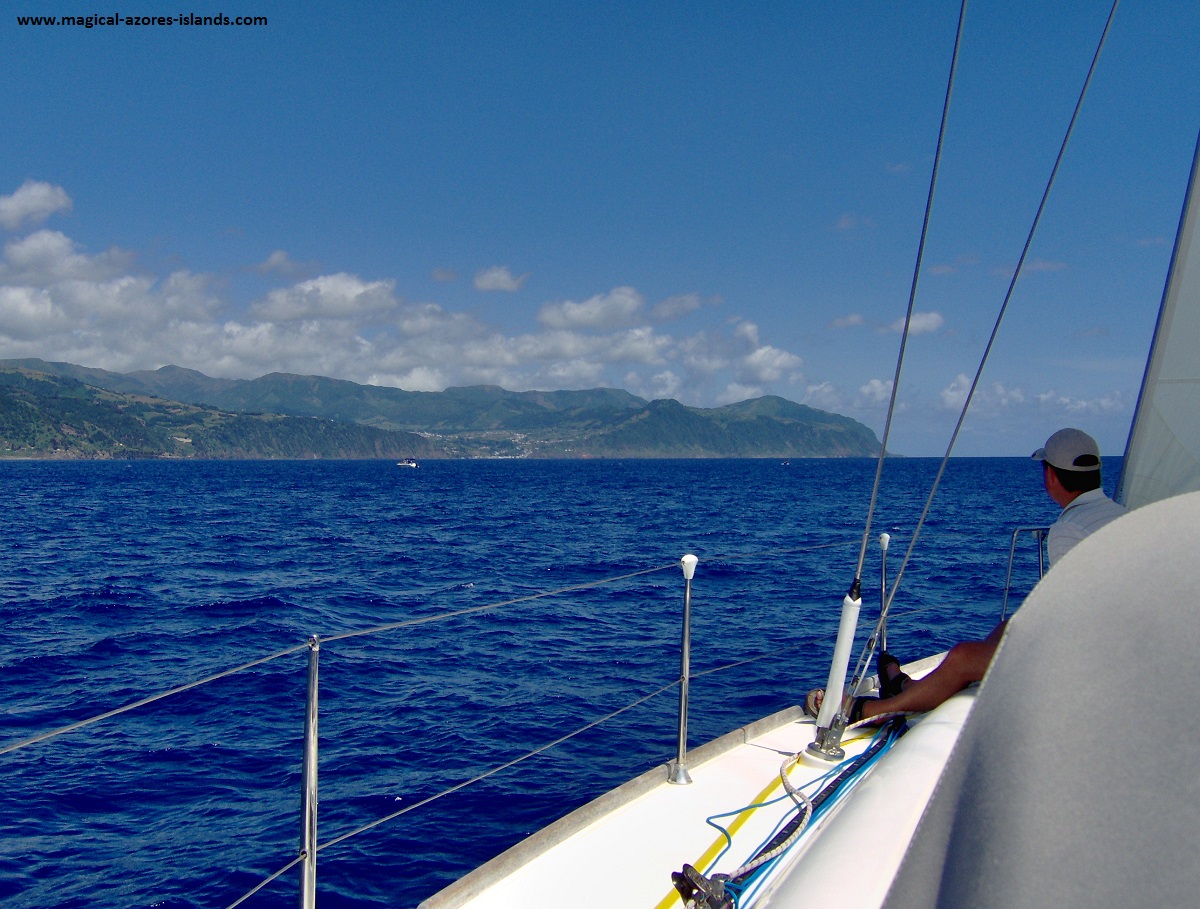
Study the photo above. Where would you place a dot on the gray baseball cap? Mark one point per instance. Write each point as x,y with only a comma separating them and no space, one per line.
1070,449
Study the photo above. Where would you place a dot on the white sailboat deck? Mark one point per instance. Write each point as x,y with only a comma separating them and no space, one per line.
621,848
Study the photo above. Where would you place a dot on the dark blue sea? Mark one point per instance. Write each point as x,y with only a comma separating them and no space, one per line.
121,580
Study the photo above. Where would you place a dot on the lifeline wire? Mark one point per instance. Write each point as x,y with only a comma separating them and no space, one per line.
286,868
494,770
53,733
445,792
392,626
150,700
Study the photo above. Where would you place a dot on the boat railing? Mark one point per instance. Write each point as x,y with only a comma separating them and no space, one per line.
1039,535
677,769
306,857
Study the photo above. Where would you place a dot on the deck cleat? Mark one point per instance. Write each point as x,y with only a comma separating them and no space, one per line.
699,892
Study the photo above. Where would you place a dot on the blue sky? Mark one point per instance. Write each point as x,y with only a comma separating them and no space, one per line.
705,201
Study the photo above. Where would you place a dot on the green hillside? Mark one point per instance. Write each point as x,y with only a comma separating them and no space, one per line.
60,408
51,416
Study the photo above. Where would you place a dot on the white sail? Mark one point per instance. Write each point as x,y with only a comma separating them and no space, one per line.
1163,455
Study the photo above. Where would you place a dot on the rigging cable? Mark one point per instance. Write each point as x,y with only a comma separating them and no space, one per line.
1000,315
912,296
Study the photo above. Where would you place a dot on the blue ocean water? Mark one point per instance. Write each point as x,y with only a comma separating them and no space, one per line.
123,579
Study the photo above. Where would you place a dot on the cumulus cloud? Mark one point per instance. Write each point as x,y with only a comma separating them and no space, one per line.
32,203
281,263
615,308
48,257
60,301
703,354
954,395
875,393
769,364
339,296
851,321
824,396
665,384
27,313
1111,403
419,378
747,331
1007,397
922,323
735,392
675,307
498,277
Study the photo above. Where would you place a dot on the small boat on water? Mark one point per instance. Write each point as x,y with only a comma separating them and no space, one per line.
407,462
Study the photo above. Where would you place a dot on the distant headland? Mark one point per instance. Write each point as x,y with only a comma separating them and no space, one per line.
60,410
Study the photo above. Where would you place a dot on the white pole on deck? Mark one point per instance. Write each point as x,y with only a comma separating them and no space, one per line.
678,773
308,795
826,745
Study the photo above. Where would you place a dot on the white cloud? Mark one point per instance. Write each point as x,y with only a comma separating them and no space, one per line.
703,355
769,364
33,203
748,331
875,393
581,373
1112,403
610,310
48,257
1007,397
420,378
850,321
665,385
675,307
954,395
922,323
824,396
281,263
641,345
337,296
498,277
27,313
60,302
735,392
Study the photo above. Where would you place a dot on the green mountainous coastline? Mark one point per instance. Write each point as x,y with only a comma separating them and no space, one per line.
67,411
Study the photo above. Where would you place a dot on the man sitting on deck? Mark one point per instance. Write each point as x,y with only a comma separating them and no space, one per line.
1071,476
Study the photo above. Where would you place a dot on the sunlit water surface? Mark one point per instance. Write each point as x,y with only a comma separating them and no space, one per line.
121,580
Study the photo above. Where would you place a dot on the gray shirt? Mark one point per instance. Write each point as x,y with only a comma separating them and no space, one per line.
1087,514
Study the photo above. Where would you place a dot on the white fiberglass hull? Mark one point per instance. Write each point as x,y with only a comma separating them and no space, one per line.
624,845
